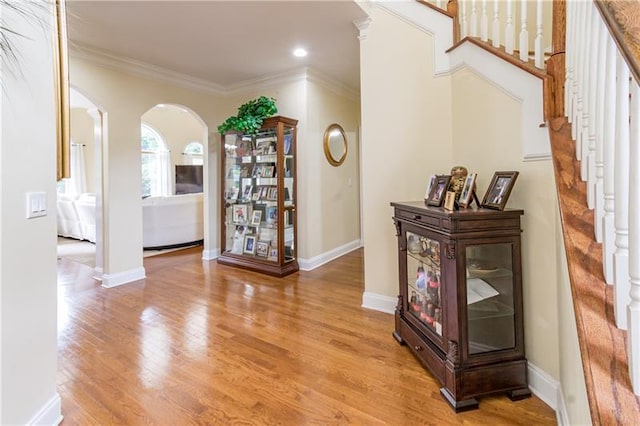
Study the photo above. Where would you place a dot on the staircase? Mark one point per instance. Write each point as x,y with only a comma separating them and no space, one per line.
596,153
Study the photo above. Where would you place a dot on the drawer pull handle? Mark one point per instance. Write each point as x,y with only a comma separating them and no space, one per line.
418,348
417,217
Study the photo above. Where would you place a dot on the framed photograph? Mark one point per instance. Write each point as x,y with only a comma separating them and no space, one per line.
249,244
450,200
247,192
467,190
499,190
436,196
232,194
256,217
256,195
267,172
432,181
262,248
273,254
272,214
240,213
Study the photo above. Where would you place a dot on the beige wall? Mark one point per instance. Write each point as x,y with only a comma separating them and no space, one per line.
486,138
28,294
125,98
574,390
406,135
334,201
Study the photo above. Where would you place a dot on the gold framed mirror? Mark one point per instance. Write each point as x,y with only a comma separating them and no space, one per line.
335,144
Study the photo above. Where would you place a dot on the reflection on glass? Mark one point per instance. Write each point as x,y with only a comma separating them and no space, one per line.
424,281
490,313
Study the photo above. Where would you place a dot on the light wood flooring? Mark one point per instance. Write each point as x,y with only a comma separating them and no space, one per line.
202,343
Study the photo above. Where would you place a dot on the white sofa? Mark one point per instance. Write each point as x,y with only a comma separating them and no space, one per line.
172,221
86,209
68,220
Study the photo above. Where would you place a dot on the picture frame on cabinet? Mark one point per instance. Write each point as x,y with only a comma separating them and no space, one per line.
437,194
232,195
466,196
432,181
239,213
247,192
262,248
499,190
249,244
450,201
256,217
272,214
267,171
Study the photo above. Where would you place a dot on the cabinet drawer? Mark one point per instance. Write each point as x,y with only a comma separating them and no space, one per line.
417,217
423,351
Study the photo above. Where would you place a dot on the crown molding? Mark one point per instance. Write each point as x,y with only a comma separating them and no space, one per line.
143,69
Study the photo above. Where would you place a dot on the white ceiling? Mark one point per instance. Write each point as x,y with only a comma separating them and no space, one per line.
224,42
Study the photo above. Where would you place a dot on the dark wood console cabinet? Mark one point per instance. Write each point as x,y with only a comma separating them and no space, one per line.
460,303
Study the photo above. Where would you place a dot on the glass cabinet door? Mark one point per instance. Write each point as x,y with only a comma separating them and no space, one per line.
289,194
490,298
423,281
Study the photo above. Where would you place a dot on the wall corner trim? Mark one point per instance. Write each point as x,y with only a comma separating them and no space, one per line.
543,386
50,413
124,277
210,254
379,302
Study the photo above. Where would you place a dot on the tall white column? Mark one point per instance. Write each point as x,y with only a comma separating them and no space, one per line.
568,69
509,30
538,48
603,36
464,24
593,119
633,310
621,190
495,26
484,23
473,25
586,93
609,137
581,8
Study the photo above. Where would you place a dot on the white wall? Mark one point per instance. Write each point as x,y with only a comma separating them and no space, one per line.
28,296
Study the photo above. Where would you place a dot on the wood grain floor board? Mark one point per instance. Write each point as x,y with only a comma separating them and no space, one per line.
202,343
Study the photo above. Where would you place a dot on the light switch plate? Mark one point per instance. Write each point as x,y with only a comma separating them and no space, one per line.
36,204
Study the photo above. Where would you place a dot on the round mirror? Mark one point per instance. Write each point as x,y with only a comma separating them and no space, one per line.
335,145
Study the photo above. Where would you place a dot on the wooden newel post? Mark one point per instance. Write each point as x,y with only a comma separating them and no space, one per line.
452,8
554,102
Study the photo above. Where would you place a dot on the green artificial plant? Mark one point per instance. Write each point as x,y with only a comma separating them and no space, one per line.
250,116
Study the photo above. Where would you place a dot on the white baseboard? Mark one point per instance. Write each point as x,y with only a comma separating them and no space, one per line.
321,259
543,386
97,273
49,414
562,415
210,254
379,302
119,278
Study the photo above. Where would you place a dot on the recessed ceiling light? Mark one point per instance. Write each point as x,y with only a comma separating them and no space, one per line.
300,52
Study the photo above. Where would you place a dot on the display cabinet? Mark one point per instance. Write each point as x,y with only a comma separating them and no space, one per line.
259,198
460,300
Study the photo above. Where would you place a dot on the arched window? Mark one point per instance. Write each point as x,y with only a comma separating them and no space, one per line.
193,153
156,163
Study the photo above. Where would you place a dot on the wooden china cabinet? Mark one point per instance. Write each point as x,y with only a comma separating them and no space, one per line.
460,303
258,217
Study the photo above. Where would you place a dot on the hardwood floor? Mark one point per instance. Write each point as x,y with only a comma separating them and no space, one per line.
202,343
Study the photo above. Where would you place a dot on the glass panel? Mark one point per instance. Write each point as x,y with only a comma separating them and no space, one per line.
289,201
490,313
424,281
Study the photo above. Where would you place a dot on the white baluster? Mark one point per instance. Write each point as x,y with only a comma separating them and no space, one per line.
495,36
509,30
439,3
524,34
538,49
609,136
621,191
568,69
599,154
592,88
484,23
581,8
473,25
633,310
464,25
586,93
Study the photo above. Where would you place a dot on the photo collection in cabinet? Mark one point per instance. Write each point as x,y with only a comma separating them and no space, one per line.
251,194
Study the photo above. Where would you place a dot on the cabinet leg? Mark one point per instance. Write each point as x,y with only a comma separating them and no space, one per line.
459,406
398,338
518,394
